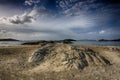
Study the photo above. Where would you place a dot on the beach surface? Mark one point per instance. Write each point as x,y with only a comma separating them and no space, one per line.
59,62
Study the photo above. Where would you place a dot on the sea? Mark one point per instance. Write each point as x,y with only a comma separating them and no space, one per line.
85,43
97,43
11,43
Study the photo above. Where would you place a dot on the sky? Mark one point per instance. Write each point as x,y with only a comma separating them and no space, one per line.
59,19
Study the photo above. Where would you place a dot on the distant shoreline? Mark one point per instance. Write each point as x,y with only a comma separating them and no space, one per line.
9,40
64,40
102,42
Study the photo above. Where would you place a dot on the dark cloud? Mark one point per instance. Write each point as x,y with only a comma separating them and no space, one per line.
12,2
112,1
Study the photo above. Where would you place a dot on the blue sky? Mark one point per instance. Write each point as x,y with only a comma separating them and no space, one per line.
59,19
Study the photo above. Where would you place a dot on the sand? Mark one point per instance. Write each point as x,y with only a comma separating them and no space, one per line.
59,62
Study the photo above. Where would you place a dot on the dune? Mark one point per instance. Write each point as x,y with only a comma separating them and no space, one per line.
59,62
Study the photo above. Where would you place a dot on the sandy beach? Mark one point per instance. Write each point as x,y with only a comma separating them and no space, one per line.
59,62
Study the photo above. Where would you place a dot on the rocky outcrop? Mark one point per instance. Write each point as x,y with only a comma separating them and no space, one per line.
66,57
38,55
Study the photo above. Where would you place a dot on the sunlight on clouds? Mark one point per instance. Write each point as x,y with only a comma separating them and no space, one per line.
102,32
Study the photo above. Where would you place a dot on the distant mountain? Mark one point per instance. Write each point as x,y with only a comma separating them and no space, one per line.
9,39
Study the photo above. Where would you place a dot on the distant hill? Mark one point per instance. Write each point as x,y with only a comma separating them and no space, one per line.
68,41
116,40
8,39
109,40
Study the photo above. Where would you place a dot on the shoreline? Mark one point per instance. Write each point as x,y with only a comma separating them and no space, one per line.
82,43
58,43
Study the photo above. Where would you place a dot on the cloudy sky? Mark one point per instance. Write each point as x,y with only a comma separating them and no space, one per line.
59,19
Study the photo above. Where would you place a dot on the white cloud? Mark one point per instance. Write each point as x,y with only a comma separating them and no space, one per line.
102,32
31,2
4,33
17,19
77,7
92,33
27,17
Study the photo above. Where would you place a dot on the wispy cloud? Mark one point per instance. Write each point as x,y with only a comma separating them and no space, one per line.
102,32
31,2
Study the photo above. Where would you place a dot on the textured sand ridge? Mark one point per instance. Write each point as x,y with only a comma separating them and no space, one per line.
59,62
